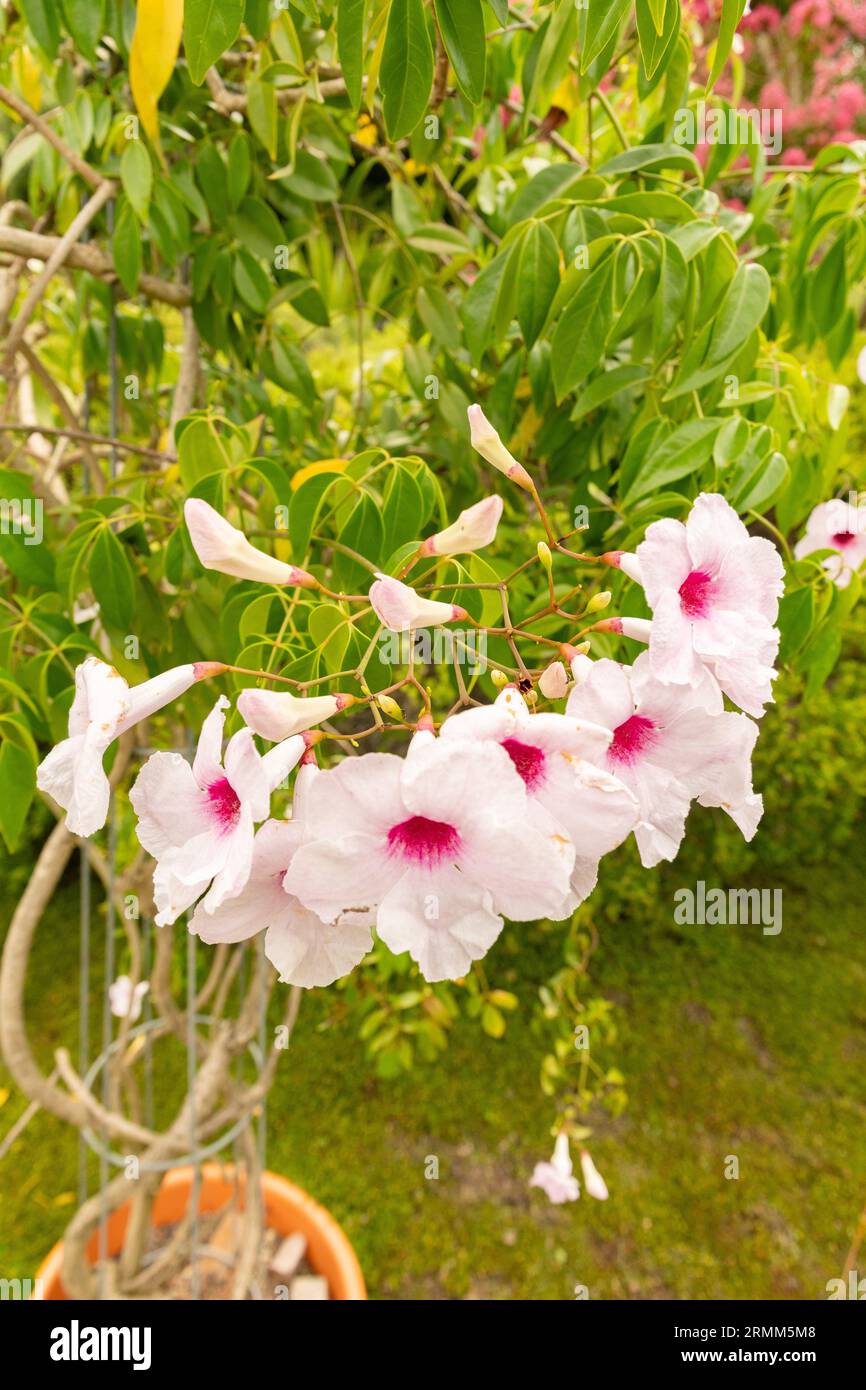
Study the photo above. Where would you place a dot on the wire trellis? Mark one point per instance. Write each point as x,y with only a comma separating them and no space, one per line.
96,1069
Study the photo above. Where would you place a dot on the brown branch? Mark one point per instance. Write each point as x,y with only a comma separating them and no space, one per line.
89,257
227,101
81,167
85,435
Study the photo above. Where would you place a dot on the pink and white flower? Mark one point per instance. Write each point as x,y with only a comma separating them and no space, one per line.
434,848
277,714
836,525
474,528
304,949
556,1177
103,708
125,999
399,608
222,547
560,759
714,592
669,749
198,821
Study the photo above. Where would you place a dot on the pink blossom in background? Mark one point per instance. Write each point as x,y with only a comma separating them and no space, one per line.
836,525
556,1177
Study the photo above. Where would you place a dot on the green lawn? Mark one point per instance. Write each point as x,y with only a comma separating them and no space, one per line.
733,1043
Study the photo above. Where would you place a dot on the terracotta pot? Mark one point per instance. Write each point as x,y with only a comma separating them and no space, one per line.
287,1208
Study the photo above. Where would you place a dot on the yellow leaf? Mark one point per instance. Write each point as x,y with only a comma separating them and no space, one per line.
152,56
64,1199
320,466
28,76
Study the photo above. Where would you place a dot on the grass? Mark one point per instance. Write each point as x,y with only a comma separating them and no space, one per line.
733,1044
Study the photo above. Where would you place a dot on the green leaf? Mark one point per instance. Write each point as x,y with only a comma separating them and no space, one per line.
17,789
672,457
200,452
240,168
262,113
251,281
330,631
553,182
551,60
44,24
350,46
608,385
650,157
829,288
479,305
126,248
305,506
743,308
461,24
403,509
439,317
603,20
732,13
112,580
406,74
795,621
653,42
579,339
363,533
136,175
85,22
820,657
209,28
439,239
670,294
310,177
537,280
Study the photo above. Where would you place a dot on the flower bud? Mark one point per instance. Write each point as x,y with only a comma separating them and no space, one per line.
389,707
222,547
487,443
475,527
398,607
544,555
599,601
553,682
626,561
277,714
592,1179
500,678
636,628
